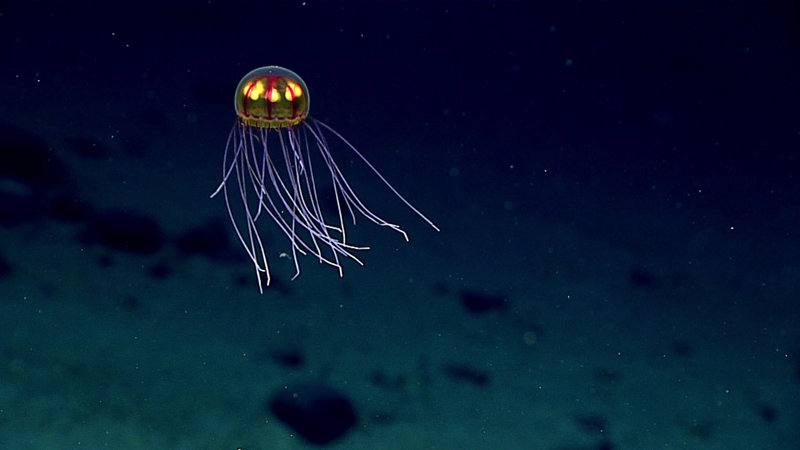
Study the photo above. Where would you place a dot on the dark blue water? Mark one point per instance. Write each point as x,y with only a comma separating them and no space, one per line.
616,186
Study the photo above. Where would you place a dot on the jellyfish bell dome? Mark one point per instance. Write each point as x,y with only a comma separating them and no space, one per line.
272,97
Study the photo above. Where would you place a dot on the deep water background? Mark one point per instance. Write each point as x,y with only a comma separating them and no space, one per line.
616,185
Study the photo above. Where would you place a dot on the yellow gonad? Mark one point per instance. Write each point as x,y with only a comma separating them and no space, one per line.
269,156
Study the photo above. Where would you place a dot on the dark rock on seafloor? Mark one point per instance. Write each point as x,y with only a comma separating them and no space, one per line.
5,268
123,231
18,203
69,209
26,158
316,412
465,374
289,358
641,277
209,240
478,303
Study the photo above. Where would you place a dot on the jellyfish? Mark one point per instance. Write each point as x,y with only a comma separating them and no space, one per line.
275,160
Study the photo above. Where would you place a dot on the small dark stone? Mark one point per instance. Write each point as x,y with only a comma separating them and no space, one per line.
604,445
682,349
768,413
126,232
5,268
209,240
466,374
592,423
69,209
159,271
794,358
316,412
105,261
480,303
242,280
289,358
18,203
26,158
701,429
641,278
382,380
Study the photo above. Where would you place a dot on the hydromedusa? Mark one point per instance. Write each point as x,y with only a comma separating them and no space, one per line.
269,165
